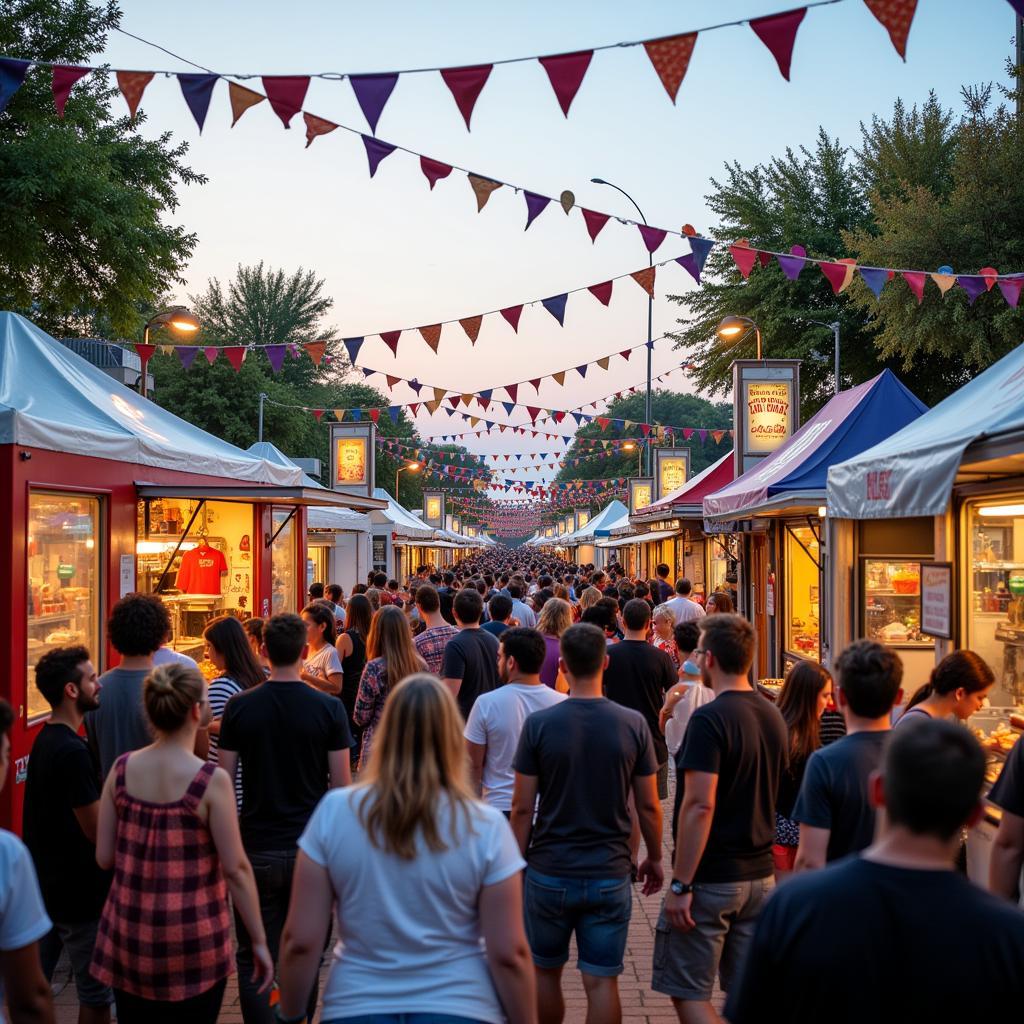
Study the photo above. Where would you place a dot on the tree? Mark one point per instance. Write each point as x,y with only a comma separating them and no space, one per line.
85,202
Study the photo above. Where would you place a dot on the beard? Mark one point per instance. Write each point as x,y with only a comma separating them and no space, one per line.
705,676
503,673
85,703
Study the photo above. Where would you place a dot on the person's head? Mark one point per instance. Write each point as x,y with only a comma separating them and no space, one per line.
427,599
963,678
373,596
589,598
228,647
138,625
515,590
869,676
541,598
67,675
449,578
418,755
719,603
561,591
391,639
254,634
806,693
500,608
727,644
664,621
319,620
662,570
380,580
6,721
316,591
392,586
583,650
284,639
687,638
642,590
636,615
521,652
555,617
334,593
174,697
931,779
468,606
359,615
683,587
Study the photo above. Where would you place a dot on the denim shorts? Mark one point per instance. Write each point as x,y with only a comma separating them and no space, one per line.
596,909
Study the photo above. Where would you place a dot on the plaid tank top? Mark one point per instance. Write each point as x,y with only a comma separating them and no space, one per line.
165,932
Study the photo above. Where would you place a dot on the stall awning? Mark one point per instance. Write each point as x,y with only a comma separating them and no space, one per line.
265,495
643,538
977,433
686,502
400,519
850,423
340,520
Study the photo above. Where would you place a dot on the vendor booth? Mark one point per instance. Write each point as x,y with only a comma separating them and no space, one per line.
588,537
109,494
401,541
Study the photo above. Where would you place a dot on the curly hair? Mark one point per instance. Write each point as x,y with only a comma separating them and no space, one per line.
138,625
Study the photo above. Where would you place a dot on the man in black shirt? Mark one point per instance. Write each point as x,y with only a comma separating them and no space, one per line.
294,742
891,915
727,775
833,807
1008,851
470,665
447,596
62,794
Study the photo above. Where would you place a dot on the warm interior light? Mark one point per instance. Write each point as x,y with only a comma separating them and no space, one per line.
158,547
628,446
1001,510
822,511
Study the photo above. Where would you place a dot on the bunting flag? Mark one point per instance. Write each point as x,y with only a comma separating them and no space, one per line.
896,17
434,170
286,94
565,72
512,315
1011,286
778,33
471,325
315,350
375,152
535,206
594,221
670,58
198,91
352,346
556,307
482,189
64,78
653,237
372,93
275,355
317,126
915,279
211,354
132,85
12,75
235,356
645,278
874,278
432,335
390,338
792,265
744,257
241,100
602,292
186,353
465,85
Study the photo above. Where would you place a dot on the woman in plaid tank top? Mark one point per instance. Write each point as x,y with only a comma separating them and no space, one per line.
169,829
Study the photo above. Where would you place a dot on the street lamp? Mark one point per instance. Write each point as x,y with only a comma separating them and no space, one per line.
413,467
736,328
650,315
630,446
834,328
176,317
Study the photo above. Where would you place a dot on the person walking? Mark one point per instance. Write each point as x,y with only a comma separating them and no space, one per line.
720,603
169,829
958,687
351,648
470,664
496,720
430,644
891,915
62,799
689,692
521,612
294,742
661,589
555,618
833,807
426,881
727,775
499,612
446,595
254,634
577,852
683,607
392,657
322,667
663,622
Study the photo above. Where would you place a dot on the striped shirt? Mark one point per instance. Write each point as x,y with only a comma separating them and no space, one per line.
220,692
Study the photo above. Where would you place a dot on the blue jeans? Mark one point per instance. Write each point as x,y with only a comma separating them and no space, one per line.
596,909
403,1018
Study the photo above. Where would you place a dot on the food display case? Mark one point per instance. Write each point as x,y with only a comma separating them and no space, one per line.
891,602
802,589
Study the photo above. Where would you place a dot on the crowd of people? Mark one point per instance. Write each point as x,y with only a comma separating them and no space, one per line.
458,775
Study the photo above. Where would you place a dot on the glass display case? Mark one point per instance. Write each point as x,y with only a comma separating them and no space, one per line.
63,580
891,602
803,594
282,562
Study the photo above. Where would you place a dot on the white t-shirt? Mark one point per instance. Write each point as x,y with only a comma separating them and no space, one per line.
410,939
684,609
495,722
168,655
324,663
23,919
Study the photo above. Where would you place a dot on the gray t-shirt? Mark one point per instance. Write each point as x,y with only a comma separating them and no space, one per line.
119,724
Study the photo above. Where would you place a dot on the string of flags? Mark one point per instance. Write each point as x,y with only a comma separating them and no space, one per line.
236,354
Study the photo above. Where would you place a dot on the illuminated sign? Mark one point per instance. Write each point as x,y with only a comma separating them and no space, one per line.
769,415
352,464
641,490
350,460
671,469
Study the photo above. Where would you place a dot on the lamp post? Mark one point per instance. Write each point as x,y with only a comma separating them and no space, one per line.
630,446
736,328
645,447
413,467
834,328
176,317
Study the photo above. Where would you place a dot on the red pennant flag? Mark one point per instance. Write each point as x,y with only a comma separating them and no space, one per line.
390,338
286,93
512,315
317,414
602,292
653,237
392,381
465,85
595,221
241,100
145,352
533,413
316,126
536,384
645,429
764,258
916,279
626,353
896,17
315,350
745,258
434,170
375,415
603,423
671,58
836,274
778,33
132,85
645,278
512,390
471,325
64,77
566,72
414,407
236,356
432,335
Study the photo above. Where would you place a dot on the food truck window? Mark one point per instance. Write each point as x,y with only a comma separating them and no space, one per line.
891,613
802,591
282,562
63,581
318,564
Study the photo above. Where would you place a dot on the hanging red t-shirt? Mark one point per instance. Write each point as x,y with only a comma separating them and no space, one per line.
200,570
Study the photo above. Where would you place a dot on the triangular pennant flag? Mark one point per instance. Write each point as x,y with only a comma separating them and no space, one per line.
1011,289
434,170
944,281
792,265
533,413
286,94
197,90
145,352
536,384
375,415
414,407
778,33
990,275
602,292
390,338
132,85
874,278
432,335
339,414
241,100
559,378
465,85
318,414
275,355
603,363
236,356
376,151
565,72
535,205
671,57
512,390
700,247
415,385
512,315
653,237
582,371
836,274
471,325
316,126
645,278
974,285
896,17
603,423
556,307
916,279
372,93
186,353
595,221
64,77
315,350
764,258
718,435
352,346
394,411
745,258
482,189
211,354
689,264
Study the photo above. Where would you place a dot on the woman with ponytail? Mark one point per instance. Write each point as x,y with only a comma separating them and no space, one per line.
957,688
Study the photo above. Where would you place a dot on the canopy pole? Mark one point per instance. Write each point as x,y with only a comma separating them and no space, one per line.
259,434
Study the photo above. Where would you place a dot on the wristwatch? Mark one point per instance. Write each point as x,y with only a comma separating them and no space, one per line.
681,888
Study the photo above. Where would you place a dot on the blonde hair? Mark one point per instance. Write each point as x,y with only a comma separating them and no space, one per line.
418,754
661,612
555,617
391,639
169,693
589,598
561,591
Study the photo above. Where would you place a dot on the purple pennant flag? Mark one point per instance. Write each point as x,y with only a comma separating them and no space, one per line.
653,237
534,206
367,372
974,286
792,265
700,247
372,93
415,385
556,307
582,370
874,278
1011,286
275,356
12,74
197,90
703,435
353,345
689,264
186,353
376,151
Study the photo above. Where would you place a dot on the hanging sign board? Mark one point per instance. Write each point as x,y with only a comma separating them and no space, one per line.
352,458
937,599
641,489
671,470
769,415
433,509
766,408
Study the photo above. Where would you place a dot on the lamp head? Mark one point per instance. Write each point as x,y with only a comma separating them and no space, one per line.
177,317
629,446
731,327
414,466
599,181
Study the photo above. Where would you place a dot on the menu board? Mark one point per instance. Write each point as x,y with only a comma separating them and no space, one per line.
769,415
937,599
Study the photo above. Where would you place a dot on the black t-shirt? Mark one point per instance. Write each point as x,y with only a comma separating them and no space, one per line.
861,941
447,598
1008,792
665,591
638,676
62,776
283,732
472,656
584,755
740,737
789,785
834,793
